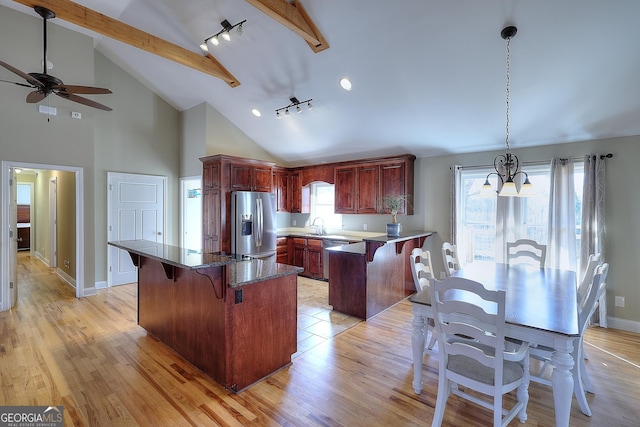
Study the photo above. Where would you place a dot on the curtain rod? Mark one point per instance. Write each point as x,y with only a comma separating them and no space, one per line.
540,162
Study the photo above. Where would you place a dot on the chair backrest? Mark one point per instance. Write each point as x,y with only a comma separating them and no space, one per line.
587,307
450,258
593,261
421,268
526,251
465,308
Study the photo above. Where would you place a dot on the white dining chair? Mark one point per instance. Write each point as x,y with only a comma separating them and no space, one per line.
450,258
422,272
526,251
586,308
472,350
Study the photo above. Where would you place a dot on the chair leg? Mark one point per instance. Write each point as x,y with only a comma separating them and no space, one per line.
497,409
441,401
585,377
523,391
578,381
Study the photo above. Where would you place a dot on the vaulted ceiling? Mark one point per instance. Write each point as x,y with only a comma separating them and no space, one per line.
428,76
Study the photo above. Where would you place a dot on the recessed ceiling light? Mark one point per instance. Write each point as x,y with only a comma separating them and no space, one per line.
345,83
256,112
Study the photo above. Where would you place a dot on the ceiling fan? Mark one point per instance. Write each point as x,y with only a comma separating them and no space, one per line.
45,84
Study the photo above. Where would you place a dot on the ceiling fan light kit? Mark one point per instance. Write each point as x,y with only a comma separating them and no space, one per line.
225,33
46,84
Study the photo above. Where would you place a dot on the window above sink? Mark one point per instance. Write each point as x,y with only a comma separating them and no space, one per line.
322,202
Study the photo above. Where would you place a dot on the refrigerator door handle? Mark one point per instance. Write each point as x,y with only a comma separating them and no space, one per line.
260,219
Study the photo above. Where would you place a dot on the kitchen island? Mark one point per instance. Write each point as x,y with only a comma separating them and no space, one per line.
368,277
234,319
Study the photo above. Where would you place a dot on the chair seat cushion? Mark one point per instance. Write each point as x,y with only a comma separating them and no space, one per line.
468,367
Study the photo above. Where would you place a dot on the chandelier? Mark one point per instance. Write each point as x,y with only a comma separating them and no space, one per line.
507,165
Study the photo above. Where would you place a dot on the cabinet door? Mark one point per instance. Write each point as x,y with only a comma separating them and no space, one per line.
240,177
345,189
299,253
281,250
314,258
211,175
211,220
261,178
393,183
296,192
367,189
283,191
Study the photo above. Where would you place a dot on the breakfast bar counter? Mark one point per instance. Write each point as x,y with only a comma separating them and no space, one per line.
236,320
368,277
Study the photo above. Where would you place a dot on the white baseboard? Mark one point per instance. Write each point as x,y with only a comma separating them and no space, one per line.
101,285
89,292
623,324
41,258
67,279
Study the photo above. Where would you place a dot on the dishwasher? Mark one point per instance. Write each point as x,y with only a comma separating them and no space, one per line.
329,243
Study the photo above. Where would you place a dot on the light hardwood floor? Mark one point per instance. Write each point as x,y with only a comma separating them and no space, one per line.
90,356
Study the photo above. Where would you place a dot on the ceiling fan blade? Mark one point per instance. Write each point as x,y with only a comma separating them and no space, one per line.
81,100
81,89
16,83
27,77
36,96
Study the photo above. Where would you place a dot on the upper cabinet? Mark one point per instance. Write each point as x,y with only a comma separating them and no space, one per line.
250,177
362,185
220,176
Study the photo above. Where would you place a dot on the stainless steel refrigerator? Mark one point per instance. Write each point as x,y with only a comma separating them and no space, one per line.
253,224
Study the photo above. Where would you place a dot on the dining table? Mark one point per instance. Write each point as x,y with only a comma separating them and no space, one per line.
541,308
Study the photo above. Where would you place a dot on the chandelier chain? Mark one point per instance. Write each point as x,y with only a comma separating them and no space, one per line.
508,93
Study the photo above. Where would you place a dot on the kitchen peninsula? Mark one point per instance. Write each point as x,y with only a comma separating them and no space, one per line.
368,277
236,320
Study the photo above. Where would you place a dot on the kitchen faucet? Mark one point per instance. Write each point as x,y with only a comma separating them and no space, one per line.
319,228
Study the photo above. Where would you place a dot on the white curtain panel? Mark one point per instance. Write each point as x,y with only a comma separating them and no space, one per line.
593,220
561,240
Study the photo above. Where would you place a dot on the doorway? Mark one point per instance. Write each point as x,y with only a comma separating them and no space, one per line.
7,232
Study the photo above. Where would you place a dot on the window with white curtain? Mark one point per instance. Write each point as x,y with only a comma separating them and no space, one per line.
476,213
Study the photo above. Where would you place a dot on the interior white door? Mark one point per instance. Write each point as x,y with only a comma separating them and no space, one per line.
135,212
13,233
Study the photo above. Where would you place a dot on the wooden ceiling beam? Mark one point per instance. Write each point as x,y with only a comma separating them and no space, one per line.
294,17
109,27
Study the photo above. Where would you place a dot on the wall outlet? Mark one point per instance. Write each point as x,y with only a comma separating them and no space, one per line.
442,275
364,226
619,301
294,222
76,115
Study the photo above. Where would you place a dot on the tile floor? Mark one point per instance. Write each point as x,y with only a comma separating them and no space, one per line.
317,322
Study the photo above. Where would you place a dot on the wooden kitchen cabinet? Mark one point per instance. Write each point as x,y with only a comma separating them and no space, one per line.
282,188
345,189
221,175
361,186
282,250
250,177
295,181
307,253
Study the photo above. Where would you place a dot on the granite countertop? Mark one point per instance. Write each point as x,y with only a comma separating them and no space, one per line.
256,270
404,235
174,255
352,248
241,271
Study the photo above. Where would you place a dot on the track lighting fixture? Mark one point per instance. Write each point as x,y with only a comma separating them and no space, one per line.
225,33
294,104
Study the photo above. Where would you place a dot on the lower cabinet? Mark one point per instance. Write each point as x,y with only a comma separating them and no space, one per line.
282,252
307,253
